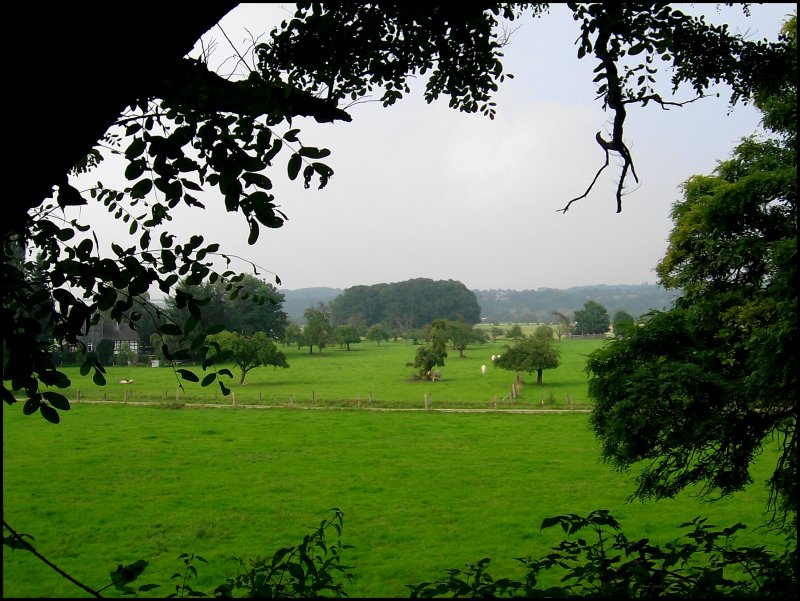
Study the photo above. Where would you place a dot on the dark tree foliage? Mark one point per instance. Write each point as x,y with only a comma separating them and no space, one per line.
698,392
256,306
623,322
407,305
182,129
592,319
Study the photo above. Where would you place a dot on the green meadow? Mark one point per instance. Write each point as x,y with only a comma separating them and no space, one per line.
421,491
369,374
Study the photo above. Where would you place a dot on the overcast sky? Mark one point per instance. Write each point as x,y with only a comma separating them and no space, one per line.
422,190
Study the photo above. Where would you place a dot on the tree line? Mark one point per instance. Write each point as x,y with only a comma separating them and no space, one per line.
406,305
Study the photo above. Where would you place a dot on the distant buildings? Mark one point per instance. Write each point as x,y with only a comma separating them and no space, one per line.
119,333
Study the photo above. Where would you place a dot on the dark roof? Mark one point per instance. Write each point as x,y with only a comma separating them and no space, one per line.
107,328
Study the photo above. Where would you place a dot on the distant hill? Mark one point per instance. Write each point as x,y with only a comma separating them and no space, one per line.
297,301
524,306
535,306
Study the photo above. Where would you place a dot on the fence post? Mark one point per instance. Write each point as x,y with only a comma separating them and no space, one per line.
233,396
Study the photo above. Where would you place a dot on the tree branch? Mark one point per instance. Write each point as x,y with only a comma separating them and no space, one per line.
29,547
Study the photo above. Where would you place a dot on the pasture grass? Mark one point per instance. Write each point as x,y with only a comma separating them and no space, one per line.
421,491
367,375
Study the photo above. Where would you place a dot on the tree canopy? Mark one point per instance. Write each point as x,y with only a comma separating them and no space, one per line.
246,352
592,319
407,305
318,330
255,306
531,354
698,392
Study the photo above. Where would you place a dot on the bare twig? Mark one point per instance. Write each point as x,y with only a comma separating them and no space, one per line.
236,50
665,104
589,189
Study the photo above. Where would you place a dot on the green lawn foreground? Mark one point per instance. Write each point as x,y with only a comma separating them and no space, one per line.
421,492
368,375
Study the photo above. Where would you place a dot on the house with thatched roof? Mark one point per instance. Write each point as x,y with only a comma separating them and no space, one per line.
119,333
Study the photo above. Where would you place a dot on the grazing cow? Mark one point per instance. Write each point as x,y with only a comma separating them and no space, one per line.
435,375
494,358
483,369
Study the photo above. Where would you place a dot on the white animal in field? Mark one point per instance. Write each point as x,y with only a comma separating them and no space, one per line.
483,369
494,358
435,375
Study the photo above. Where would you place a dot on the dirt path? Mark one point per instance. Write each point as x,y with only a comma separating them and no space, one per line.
431,409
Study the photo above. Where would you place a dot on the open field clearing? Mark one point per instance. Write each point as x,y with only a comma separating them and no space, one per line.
368,375
421,491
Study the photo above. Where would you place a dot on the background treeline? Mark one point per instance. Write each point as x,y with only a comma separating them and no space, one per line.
515,306
406,305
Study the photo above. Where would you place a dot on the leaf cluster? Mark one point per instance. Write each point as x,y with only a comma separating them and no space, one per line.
194,133
378,47
607,564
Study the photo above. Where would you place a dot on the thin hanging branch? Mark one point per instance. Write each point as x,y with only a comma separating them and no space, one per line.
616,101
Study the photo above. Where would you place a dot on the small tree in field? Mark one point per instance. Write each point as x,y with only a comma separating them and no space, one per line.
562,326
515,332
463,334
429,357
531,354
346,335
318,329
377,332
248,352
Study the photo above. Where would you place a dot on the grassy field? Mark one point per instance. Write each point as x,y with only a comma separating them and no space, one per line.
367,375
421,491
